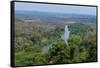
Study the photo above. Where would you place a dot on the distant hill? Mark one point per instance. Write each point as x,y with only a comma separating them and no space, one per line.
54,17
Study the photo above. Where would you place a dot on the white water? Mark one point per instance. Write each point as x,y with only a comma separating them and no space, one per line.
66,34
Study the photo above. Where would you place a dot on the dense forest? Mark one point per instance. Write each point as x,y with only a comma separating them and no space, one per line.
38,43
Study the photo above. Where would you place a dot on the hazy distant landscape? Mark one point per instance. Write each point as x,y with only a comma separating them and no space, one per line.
54,38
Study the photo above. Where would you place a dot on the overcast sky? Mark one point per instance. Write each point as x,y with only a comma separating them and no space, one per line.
55,8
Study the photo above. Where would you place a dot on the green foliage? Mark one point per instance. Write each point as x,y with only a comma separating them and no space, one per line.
74,39
59,53
80,54
22,43
29,58
23,58
89,42
31,38
78,28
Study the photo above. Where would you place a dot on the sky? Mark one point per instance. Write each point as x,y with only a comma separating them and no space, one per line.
55,8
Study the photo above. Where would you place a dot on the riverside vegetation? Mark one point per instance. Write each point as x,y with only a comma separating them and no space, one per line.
40,43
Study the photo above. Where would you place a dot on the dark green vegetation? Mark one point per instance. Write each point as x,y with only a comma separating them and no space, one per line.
31,37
